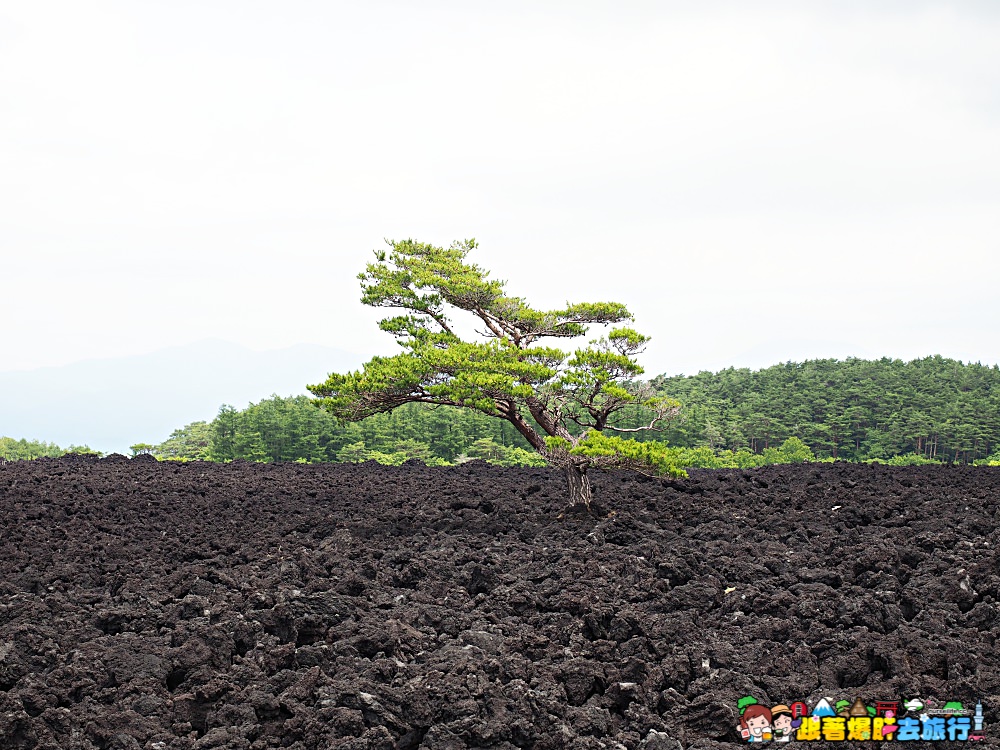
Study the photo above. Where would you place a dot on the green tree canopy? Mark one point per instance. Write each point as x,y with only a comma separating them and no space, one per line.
559,401
189,443
26,450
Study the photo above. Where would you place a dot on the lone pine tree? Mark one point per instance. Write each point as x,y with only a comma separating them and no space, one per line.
563,404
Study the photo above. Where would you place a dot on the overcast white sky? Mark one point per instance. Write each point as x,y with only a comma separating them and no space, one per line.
758,181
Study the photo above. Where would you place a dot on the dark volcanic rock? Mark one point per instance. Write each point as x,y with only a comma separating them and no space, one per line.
162,606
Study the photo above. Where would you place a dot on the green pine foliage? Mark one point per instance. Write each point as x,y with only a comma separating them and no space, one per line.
910,459
188,443
792,451
487,449
510,370
933,408
648,457
25,450
292,429
82,450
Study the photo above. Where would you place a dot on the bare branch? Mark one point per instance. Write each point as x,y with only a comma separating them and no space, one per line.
664,414
650,426
490,321
441,320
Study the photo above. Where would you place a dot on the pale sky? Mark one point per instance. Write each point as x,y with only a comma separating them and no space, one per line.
757,181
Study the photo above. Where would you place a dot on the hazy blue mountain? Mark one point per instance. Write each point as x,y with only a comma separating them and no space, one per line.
110,404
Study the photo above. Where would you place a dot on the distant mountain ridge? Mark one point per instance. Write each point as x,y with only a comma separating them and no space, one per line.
110,404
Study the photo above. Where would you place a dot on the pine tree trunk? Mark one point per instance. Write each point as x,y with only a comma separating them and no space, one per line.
579,486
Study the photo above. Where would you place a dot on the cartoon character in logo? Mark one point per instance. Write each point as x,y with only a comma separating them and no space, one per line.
782,723
755,723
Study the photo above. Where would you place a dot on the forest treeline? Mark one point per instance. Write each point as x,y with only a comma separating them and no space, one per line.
936,408
928,410
25,450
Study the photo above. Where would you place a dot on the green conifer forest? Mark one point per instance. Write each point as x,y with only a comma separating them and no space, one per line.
927,410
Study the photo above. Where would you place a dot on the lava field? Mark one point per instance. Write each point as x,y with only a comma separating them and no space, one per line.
163,606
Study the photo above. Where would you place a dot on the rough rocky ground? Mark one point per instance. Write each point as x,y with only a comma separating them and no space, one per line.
156,606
